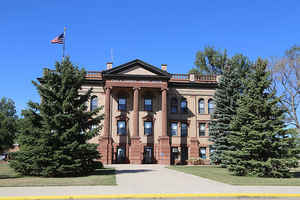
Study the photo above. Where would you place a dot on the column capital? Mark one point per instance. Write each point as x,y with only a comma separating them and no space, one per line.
107,87
136,88
164,89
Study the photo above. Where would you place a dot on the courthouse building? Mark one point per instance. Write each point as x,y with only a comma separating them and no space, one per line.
151,116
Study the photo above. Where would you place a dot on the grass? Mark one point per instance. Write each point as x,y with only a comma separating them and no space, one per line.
222,175
9,178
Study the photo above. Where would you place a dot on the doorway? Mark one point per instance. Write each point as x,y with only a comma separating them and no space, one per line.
174,155
148,155
121,155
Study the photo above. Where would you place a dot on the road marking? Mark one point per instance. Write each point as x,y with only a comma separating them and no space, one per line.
138,196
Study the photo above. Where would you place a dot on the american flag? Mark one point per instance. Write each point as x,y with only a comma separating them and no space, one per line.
59,39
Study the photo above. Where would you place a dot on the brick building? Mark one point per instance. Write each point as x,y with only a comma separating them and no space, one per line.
151,116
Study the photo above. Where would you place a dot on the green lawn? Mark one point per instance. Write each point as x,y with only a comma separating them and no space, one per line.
222,175
9,178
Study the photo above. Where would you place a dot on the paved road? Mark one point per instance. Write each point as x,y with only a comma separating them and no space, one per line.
149,179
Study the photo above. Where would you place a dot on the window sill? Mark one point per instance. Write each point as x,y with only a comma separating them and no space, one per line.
204,136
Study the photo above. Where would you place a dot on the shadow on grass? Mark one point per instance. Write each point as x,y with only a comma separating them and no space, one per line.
295,174
105,171
132,171
10,176
98,172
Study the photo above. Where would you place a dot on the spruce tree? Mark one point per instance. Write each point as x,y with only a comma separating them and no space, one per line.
8,123
225,99
263,145
53,141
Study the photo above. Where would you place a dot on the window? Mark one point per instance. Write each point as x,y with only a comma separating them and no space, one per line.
174,128
202,152
148,104
211,106
122,104
174,105
184,129
94,103
202,129
201,106
148,128
211,149
121,127
183,106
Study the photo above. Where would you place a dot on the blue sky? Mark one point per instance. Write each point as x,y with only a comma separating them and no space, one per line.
169,32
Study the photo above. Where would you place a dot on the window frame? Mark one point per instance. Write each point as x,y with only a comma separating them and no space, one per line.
94,99
201,110
119,130
182,129
119,105
203,156
145,106
184,110
171,128
174,104
145,128
210,106
204,132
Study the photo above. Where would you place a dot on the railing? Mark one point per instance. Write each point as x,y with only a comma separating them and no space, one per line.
180,76
205,77
93,75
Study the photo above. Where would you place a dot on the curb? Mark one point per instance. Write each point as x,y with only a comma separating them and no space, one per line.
144,196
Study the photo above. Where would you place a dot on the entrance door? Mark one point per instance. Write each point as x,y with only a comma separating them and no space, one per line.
174,155
121,155
184,155
148,152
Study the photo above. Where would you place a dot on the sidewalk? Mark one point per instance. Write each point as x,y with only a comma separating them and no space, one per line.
148,179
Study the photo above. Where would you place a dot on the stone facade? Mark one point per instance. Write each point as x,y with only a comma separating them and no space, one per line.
151,116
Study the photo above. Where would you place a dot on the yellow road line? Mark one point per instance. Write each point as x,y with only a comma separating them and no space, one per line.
141,196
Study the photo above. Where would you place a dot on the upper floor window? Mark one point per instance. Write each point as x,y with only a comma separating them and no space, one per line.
183,106
201,106
174,105
122,103
174,128
202,129
148,104
121,125
148,128
184,129
211,106
94,103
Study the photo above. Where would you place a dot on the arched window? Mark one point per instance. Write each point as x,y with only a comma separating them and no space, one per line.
201,106
183,106
211,106
94,103
174,105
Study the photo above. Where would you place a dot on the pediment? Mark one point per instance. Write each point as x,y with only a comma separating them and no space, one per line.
136,68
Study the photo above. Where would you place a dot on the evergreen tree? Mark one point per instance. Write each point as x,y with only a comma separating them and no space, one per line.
263,145
225,99
8,120
53,141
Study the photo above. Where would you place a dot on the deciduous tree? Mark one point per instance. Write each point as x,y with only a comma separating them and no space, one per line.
210,61
286,73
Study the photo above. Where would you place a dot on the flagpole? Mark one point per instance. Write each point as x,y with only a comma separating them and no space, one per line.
63,57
